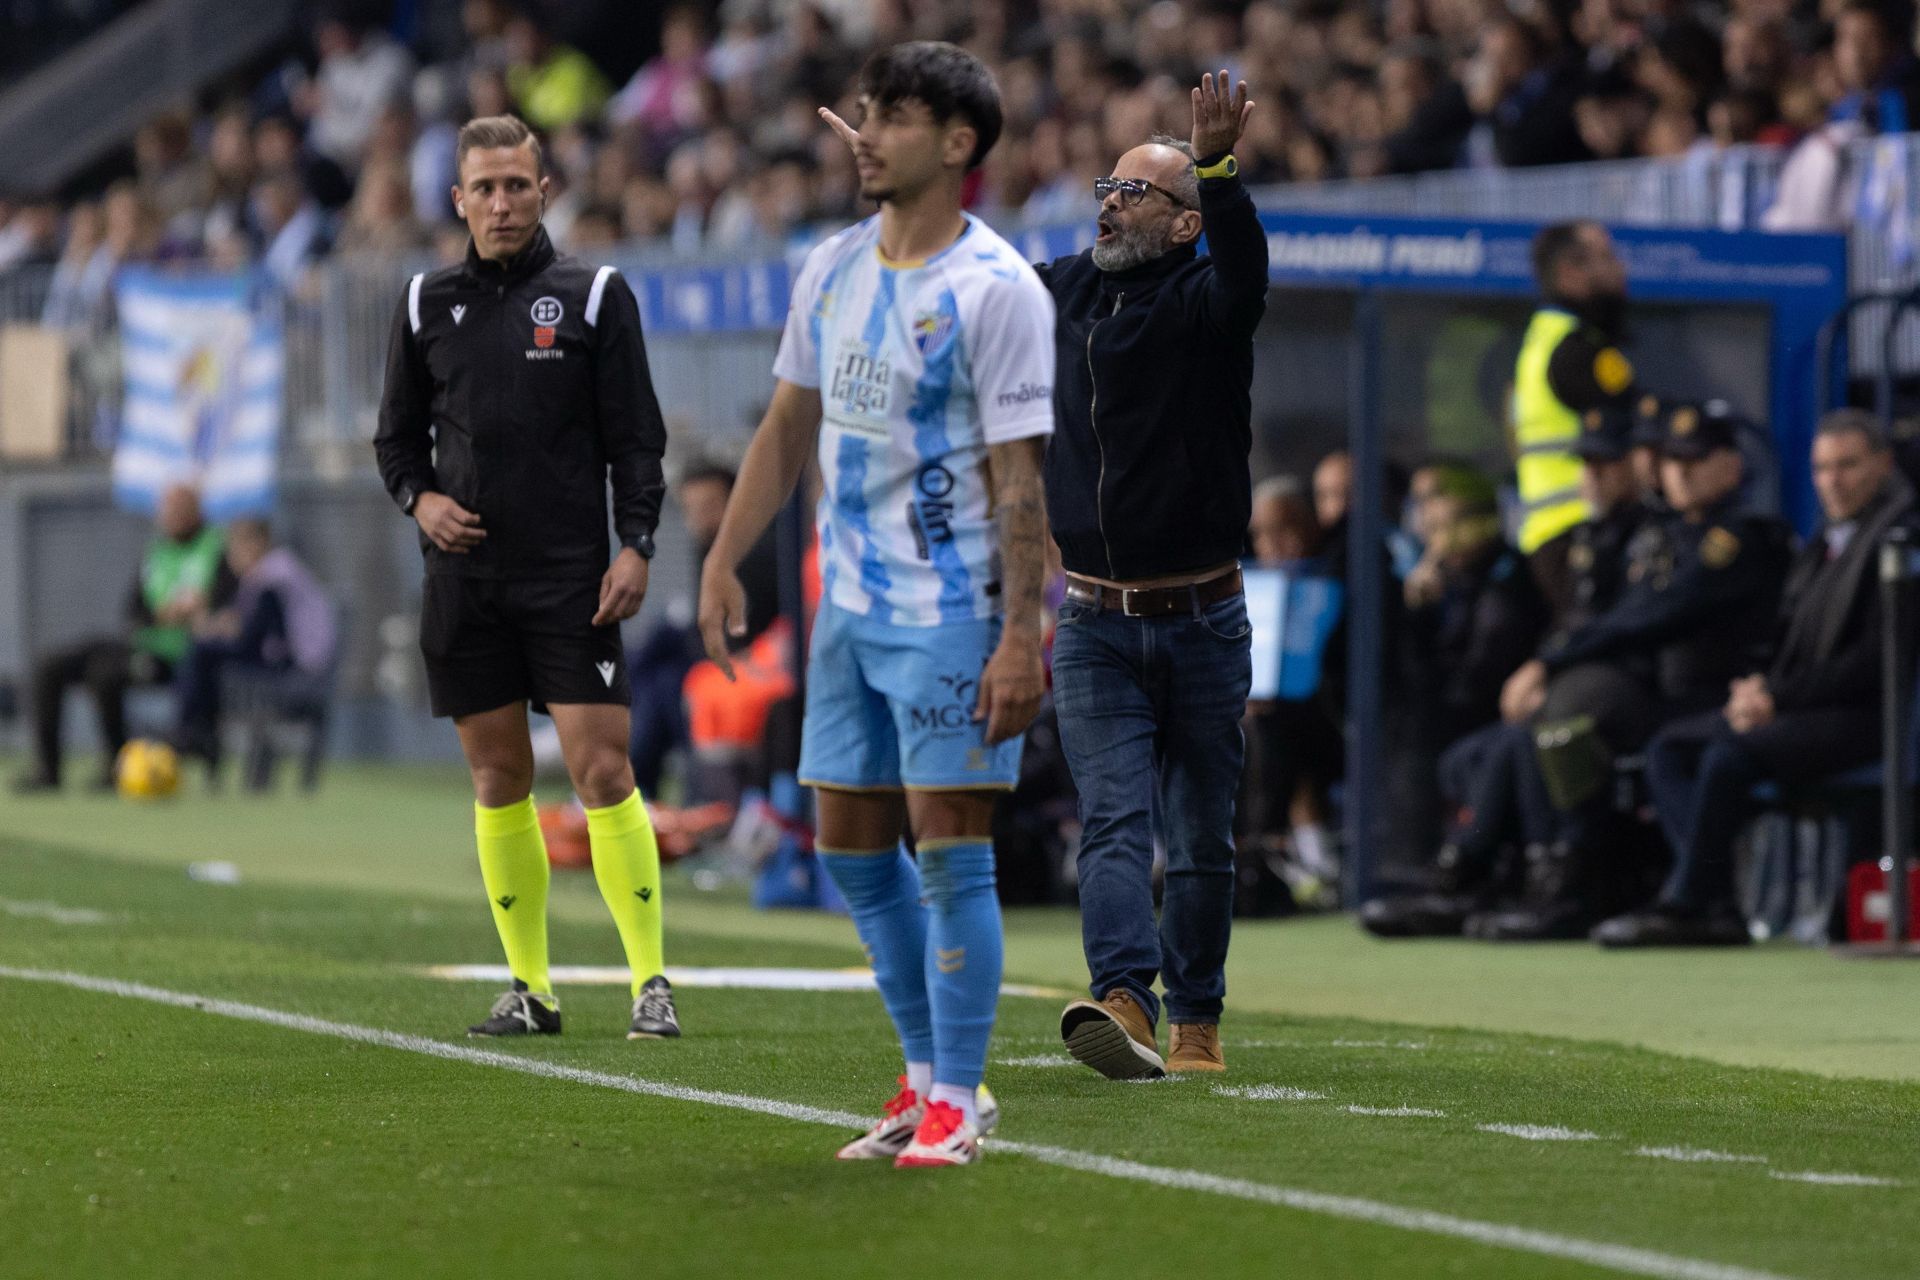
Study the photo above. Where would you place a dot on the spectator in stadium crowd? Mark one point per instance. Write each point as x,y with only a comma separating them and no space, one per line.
362,71
1570,362
381,218
181,578
1521,92
554,84
659,664
100,240
1426,111
663,100
1814,710
1878,83
1499,801
280,620
175,182
1695,613
29,235
293,228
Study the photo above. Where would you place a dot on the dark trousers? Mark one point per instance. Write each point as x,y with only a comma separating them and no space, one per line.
1493,776
197,683
107,669
1702,775
657,669
1150,710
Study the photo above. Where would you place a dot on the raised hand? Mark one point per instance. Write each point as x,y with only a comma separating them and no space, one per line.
1218,118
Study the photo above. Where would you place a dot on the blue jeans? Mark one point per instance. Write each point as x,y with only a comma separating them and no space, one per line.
1159,699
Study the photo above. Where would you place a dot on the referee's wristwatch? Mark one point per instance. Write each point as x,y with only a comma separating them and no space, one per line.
641,543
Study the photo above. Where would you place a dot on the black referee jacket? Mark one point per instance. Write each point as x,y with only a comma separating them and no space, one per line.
518,389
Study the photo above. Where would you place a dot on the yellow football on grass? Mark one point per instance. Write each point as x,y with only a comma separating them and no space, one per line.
147,770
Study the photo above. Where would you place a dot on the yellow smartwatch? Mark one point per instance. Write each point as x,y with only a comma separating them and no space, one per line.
1227,167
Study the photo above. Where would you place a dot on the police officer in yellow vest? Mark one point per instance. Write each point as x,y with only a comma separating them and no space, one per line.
1569,364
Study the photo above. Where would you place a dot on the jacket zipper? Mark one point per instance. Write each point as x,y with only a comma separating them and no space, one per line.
1093,422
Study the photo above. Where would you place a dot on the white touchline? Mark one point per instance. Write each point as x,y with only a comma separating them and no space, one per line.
1038,1060
1540,1132
53,911
1836,1179
1267,1093
1697,1155
1420,1112
1616,1257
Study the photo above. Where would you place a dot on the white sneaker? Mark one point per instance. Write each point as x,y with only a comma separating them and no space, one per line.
892,1135
944,1138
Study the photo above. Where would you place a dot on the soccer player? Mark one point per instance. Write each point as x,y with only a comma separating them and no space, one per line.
919,348
517,385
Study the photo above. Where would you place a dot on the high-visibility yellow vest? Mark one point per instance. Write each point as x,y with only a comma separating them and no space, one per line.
1544,430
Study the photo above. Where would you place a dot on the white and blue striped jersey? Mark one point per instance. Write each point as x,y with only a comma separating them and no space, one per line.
920,367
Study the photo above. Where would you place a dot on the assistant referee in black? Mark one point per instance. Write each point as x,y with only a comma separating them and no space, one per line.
517,387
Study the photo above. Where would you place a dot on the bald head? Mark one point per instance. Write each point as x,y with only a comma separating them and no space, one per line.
1164,165
1137,227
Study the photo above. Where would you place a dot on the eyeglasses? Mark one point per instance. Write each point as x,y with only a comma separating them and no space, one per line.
1132,191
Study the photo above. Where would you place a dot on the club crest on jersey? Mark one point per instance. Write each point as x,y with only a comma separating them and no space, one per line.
931,329
543,336
547,311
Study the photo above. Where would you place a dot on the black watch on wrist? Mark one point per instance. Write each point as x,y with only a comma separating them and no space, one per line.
409,501
642,543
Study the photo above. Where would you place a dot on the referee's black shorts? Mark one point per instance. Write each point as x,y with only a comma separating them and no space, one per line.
490,642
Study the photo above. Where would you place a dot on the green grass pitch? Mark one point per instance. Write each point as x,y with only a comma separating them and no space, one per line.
1431,1110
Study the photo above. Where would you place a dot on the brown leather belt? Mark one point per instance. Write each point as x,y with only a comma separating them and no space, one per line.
1154,602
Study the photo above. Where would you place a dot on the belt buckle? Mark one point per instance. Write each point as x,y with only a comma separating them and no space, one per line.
1126,601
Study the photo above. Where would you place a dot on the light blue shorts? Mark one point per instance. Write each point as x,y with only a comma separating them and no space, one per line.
892,707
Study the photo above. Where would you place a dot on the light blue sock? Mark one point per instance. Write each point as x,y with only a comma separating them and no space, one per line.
963,958
882,890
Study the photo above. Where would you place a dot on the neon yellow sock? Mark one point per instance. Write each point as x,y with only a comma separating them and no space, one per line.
626,862
513,862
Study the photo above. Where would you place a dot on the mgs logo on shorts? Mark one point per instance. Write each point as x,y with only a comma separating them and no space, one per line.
893,706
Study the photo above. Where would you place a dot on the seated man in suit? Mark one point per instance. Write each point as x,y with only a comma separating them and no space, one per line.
1814,711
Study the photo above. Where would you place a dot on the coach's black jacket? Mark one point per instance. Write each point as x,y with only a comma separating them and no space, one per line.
517,389
1146,472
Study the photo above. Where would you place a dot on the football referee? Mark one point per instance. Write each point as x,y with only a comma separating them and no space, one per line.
517,386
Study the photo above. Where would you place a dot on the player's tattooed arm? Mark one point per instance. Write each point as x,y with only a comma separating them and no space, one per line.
1014,682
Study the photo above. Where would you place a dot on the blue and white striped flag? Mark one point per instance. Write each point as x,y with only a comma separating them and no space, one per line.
205,364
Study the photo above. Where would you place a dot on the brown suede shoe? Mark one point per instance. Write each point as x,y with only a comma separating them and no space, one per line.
1112,1035
1194,1046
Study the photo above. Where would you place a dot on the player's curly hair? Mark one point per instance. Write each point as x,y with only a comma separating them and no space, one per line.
951,81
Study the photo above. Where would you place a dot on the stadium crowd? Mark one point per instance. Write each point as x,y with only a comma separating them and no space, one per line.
712,141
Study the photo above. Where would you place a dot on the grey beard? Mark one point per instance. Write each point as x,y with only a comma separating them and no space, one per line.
1129,249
